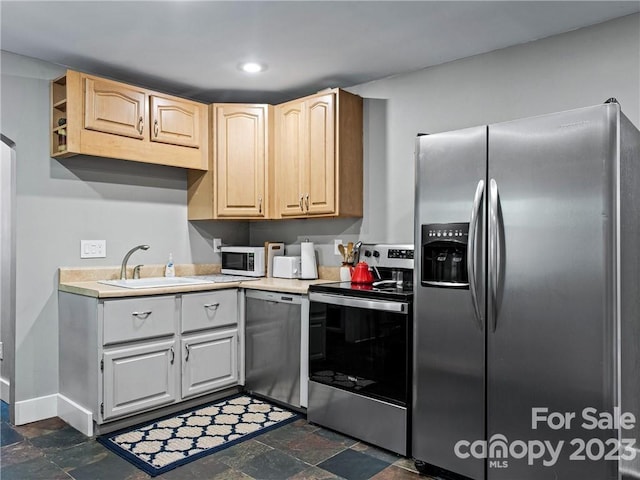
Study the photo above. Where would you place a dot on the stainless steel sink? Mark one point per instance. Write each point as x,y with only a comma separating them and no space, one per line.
155,282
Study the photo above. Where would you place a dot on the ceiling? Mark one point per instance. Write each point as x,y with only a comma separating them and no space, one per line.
193,49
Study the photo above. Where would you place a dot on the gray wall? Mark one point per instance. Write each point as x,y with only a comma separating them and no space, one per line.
60,202
572,70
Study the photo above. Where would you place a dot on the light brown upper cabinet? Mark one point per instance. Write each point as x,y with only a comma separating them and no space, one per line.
175,121
318,156
237,185
111,107
95,116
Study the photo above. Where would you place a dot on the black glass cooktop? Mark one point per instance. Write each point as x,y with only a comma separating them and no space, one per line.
403,293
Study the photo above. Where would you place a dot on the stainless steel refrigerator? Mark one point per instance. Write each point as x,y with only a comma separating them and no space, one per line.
527,296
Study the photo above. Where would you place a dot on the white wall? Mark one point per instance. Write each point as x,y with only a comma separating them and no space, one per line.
60,202
6,267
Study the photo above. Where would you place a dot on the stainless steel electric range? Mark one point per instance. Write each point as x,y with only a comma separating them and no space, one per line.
360,340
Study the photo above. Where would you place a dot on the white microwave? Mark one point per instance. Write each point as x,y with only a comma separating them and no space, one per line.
247,261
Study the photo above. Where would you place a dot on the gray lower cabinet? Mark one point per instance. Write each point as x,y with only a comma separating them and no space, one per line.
210,361
124,356
139,378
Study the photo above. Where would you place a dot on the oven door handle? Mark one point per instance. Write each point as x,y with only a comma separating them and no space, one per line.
369,304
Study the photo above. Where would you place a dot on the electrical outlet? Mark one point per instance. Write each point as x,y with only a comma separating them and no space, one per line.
217,244
336,242
93,248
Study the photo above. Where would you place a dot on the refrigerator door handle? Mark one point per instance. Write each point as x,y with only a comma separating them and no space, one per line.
494,252
471,250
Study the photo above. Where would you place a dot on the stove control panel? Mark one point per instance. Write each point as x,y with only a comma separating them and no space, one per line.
403,254
387,255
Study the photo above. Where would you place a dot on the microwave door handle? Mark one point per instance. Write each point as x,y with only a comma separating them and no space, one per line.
472,251
494,252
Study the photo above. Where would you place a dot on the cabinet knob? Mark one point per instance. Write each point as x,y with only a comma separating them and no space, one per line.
142,315
260,204
155,128
186,357
173,355
301,200
212,306
140,125
306,200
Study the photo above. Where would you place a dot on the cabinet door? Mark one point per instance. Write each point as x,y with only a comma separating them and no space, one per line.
210,361
139,378
240,160
320,155
290,185
174,121
112,107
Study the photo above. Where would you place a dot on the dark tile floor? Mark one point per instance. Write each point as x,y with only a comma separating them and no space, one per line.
51,450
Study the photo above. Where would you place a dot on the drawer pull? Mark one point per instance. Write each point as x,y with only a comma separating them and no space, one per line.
212,306
141,314
173,355
186,358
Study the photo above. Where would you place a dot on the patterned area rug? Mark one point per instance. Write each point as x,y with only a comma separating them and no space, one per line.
168,443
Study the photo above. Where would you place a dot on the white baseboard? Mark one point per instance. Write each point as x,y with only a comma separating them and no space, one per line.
4,390
35,409
55,405
75,415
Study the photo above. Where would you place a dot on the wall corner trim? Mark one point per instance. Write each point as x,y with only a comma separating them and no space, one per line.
75,415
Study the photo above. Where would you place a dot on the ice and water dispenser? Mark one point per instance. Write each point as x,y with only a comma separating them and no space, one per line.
444,255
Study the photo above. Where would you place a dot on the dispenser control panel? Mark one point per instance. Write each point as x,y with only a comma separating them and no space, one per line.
445,231
444,255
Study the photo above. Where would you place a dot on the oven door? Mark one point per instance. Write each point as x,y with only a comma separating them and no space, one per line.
360,345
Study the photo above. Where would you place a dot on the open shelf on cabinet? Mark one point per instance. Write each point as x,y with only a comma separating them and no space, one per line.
58,116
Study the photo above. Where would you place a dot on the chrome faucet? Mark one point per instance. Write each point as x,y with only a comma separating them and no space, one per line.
123,268
136,271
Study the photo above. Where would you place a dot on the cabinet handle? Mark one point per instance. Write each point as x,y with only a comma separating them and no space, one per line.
140,125
306,200
186,358
141,314
213,306
260,204
301,200
155,128
173,355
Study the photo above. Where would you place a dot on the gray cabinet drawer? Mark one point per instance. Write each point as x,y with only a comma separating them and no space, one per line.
206,310
137,318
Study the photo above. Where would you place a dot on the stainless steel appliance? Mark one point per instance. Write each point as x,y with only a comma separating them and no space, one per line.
248,261
360,351
527,295
273,339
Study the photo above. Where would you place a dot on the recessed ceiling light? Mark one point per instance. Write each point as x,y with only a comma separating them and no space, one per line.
252,67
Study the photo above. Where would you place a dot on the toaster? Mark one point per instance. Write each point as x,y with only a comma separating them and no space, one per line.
286,267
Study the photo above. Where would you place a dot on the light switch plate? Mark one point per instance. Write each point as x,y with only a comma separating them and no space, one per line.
217,244
93,248
336,242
